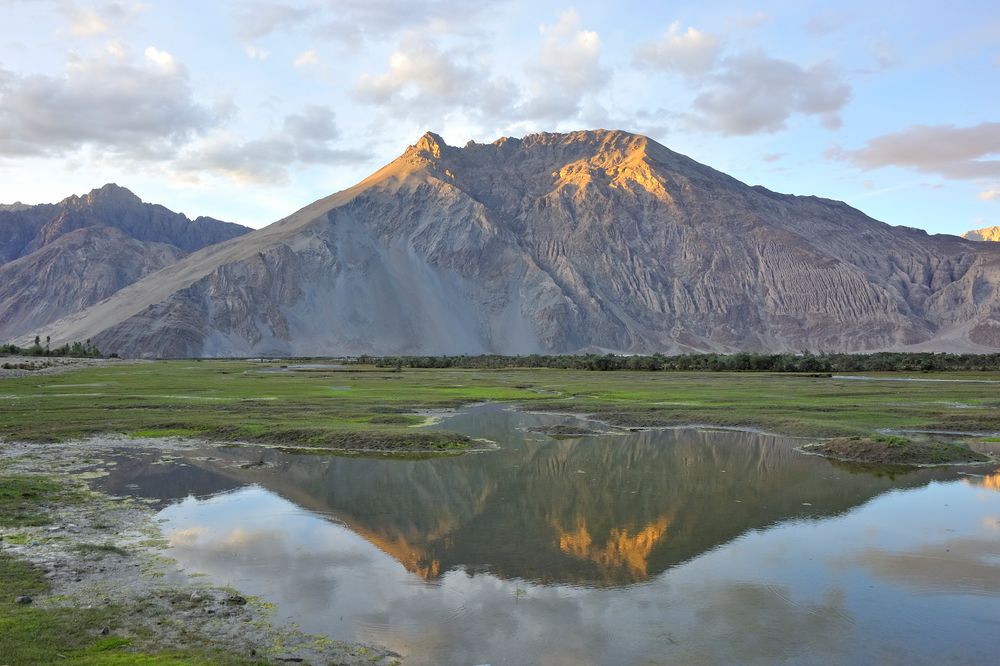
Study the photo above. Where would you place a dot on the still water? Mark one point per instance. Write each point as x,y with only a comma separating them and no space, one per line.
676,546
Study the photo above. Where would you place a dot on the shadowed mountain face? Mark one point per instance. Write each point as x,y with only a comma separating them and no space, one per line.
57,259
560,243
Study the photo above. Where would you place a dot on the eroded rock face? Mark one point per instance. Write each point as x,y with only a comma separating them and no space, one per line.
984,234
57,259
558,243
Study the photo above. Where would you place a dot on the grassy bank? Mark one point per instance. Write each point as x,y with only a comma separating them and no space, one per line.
375,409
30,634
891,450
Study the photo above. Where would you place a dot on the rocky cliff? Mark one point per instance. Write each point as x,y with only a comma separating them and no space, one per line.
57,259
559,243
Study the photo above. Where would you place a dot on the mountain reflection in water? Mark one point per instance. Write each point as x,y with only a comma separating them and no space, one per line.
678,546
605,510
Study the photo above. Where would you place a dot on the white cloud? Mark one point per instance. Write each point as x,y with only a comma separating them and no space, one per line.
422,78
308,58
162,59
753,93
690,52
427,83
991,194
969,153
566,71
304,138
144,108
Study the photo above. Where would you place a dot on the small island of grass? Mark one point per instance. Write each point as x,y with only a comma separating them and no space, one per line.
893,450
563,430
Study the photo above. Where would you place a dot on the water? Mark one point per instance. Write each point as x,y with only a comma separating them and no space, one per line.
679,546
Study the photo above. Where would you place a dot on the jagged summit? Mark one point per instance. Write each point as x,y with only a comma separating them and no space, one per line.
587,141
558,242
110,194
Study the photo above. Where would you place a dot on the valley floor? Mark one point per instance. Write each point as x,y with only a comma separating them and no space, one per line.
365,408
89,560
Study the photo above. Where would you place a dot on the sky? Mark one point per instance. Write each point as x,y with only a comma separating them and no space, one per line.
247,110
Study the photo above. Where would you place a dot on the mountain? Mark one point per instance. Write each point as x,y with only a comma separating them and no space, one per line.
984,234
57,259
558,243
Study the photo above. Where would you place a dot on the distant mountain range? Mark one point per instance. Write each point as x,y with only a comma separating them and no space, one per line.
57,259
591,240
984,234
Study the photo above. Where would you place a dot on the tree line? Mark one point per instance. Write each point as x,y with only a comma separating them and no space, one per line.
739,362
75,349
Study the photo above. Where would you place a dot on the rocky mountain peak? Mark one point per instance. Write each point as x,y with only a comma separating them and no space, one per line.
429,145
111,195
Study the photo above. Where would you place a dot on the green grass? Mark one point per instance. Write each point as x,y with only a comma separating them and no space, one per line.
22,500
101,549
234,401
884,450
162,432
32,635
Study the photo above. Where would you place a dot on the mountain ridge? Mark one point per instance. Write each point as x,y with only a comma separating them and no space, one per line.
558,242
57,259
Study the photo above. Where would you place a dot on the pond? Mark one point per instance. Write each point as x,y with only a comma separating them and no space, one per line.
669,546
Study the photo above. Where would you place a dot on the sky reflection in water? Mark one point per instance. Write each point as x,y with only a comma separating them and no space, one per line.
647,548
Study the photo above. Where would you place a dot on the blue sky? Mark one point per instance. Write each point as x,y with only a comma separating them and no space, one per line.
248,110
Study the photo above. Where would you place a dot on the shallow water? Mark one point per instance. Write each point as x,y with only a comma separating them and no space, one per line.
678,546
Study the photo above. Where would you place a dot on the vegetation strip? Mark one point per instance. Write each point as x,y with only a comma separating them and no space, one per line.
233,401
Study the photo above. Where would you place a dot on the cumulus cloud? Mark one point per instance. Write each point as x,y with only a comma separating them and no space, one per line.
426,82
991,194
162,59
747,92
304,138
423,74
690,52
108,101
752,93
964,153
567,69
